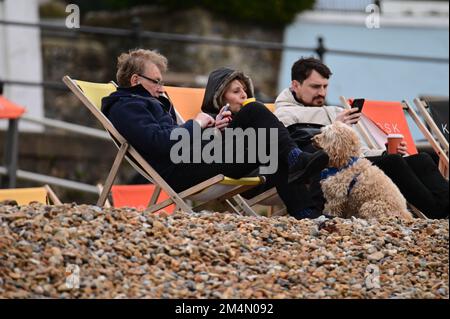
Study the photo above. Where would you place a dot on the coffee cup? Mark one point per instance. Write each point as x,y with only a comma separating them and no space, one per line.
394,141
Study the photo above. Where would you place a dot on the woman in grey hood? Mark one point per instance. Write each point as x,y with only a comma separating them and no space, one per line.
229,98
218,82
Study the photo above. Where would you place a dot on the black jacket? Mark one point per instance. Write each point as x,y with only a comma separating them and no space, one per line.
146,123
215,88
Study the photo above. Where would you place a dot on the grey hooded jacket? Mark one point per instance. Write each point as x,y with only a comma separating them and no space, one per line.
215,89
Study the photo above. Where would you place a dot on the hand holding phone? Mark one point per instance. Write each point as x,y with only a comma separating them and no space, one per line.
359,104
225,109
352,116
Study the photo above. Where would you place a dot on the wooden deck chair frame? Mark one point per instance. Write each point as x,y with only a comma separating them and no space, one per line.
51,197
126,151
440,143
373,145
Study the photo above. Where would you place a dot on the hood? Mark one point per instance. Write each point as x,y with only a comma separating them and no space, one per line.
109,101
217,82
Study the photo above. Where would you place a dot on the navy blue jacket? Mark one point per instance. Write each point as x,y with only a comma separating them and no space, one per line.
146,123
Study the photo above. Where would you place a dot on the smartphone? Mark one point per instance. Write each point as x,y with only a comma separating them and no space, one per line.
359,103
226,108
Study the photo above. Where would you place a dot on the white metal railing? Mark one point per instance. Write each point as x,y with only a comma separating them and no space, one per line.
45,179
74,128
342,5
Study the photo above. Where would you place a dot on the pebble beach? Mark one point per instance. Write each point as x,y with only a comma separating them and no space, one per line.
71,251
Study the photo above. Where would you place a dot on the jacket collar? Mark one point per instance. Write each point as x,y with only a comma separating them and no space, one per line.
135,90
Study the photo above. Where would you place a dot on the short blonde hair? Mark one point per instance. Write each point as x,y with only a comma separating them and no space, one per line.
134,62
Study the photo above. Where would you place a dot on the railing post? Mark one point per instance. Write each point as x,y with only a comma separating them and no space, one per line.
321,50
11,150
378,4
136,24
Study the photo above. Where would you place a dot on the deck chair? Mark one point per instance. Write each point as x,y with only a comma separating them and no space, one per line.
216,189
24,196
135,196
438,133
187,103
390,119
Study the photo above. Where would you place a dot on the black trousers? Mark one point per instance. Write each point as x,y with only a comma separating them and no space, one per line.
419,180
256,116
417,177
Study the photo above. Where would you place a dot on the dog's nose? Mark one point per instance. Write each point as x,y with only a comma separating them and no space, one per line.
315,143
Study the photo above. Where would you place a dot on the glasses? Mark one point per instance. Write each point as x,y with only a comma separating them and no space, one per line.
157,82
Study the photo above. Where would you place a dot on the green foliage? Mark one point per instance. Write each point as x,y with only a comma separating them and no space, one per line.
53,9
262,12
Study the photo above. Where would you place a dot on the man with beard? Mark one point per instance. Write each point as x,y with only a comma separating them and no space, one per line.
303,104
301,108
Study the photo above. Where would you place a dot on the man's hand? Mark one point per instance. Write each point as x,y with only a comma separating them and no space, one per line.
204,120
223,119
349,117
402,148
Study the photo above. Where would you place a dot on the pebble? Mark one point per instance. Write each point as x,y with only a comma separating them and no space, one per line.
376,256
122,253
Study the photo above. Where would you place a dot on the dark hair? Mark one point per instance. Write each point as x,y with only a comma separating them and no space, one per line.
302,69
1,87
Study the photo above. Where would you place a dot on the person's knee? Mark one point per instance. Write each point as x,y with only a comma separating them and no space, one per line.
421,158
421,162
392,160
254,108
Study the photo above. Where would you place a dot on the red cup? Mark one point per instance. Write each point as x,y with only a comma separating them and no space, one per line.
394,141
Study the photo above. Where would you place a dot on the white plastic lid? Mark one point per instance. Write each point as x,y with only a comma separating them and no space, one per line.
395,136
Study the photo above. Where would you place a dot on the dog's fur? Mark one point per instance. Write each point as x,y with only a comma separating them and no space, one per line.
373,195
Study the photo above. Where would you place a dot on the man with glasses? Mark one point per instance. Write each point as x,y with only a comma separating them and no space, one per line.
139,110
146,119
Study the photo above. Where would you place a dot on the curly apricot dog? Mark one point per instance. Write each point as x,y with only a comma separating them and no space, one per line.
351,185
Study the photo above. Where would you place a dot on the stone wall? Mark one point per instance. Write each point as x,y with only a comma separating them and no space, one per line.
94,57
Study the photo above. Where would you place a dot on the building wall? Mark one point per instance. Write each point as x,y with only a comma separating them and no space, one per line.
20,56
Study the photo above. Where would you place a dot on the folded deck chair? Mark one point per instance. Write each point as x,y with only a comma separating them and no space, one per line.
439,110
24,196
387,117
216,189
437,122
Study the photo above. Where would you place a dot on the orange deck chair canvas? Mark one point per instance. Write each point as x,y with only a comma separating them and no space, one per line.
387,118
137,196
187,101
